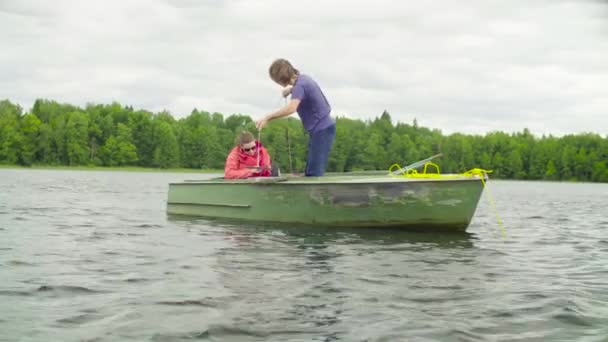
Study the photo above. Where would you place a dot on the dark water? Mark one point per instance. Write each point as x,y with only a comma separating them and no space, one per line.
92,256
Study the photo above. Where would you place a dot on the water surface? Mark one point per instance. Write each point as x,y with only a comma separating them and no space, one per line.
92,256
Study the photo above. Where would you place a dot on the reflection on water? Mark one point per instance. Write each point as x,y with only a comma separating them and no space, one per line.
321,234
321,278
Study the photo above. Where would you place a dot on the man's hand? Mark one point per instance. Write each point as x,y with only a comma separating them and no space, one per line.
287,90
261,123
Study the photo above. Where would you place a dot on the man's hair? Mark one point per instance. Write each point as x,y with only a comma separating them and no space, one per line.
244,137
281,71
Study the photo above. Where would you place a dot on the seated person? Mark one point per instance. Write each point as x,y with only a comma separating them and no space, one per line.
247,159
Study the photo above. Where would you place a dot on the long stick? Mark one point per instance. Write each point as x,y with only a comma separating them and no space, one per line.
288,142
289,148
258,149
416,164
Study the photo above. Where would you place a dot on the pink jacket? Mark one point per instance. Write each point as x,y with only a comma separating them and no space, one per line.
237,162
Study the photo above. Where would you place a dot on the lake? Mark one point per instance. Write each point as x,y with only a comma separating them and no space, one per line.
92,256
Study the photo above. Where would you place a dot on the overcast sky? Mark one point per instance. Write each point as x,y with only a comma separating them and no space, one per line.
459,66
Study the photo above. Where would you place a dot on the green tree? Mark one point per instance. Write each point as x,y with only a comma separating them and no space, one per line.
62,134
58,139
30,131
77,138
600,172
374,152
567,160
237,122
144,138
10,135
120,150
551,173
514,166
166,153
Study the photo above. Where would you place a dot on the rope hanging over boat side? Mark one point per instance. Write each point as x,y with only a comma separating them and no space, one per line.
397,171
483,174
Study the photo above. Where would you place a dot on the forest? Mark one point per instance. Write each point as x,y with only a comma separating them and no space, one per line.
112,135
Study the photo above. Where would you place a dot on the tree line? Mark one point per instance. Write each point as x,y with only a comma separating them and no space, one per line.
53,133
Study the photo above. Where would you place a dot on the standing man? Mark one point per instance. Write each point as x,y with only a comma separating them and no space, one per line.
314,110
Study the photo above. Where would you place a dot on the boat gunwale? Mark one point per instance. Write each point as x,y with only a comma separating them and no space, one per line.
293,181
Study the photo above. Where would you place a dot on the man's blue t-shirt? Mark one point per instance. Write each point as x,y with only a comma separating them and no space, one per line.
314,109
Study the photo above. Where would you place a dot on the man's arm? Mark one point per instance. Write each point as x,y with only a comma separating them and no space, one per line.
287,110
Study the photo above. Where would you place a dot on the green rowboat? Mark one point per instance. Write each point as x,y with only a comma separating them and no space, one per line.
446,202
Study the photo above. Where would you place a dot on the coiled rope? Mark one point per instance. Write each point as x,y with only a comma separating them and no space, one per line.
397,171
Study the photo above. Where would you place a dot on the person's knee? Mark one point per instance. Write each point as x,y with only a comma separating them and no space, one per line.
318,152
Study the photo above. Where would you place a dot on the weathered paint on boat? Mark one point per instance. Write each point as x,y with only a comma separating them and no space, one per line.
333,201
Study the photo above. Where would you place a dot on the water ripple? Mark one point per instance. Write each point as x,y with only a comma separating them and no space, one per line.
97,259
211,303
67,290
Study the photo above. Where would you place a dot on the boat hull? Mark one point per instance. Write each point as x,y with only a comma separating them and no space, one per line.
390,202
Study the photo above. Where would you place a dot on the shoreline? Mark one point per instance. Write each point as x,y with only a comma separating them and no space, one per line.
108,169
210,171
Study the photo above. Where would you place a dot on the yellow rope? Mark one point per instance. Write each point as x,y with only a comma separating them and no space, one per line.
481,173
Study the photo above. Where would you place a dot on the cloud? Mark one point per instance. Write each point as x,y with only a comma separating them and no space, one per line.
490,65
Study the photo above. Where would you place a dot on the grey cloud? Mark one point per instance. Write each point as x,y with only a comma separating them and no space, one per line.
491,65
